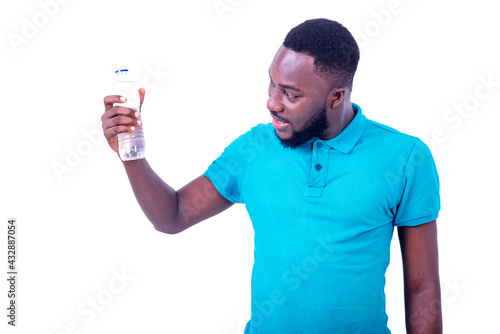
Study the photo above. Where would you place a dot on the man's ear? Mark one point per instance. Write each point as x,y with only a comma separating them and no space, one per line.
336,97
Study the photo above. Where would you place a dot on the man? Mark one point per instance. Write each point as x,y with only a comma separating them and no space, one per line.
324,187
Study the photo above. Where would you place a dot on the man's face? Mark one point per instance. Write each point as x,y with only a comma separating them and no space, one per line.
297,98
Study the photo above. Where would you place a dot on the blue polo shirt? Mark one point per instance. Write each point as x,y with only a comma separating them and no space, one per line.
323,216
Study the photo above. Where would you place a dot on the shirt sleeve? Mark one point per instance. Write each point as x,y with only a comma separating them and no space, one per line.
420,200
227,171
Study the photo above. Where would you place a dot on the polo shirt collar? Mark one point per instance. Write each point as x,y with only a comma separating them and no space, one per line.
346,140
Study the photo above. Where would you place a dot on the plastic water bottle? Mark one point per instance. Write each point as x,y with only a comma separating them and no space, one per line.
131,145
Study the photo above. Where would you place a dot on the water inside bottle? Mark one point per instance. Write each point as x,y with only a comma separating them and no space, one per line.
132,146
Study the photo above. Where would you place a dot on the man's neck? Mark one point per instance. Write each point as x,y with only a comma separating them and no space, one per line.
339,120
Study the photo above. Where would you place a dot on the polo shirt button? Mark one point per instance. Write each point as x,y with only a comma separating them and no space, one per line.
319,145
318,167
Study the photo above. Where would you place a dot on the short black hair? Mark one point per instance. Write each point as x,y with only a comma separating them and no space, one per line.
334,49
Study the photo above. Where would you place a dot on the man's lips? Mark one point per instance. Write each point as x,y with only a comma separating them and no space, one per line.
279,123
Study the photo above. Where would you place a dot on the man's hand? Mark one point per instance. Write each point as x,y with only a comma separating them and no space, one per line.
118,119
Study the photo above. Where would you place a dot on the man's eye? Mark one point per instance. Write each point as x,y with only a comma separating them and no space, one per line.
291,96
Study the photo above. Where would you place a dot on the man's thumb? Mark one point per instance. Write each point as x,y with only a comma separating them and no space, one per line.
142,93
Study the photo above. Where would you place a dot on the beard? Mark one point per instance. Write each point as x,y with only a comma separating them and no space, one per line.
314,127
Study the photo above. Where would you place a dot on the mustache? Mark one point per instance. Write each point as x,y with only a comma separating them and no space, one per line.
275,114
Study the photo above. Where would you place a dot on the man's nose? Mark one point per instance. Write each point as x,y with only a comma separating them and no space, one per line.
273,102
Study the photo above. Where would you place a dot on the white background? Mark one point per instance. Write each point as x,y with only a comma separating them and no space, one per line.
79,225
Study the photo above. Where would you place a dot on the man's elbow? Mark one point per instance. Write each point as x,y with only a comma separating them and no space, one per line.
168,228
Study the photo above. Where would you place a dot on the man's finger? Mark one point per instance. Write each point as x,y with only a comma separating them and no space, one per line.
111,99
121,120
113,131
120,111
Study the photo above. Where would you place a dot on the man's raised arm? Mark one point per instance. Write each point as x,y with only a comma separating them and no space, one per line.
170,211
